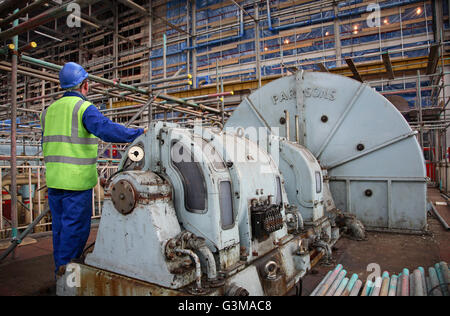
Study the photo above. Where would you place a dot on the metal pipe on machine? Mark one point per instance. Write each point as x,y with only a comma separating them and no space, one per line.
336,283
198,269
385,284
393,286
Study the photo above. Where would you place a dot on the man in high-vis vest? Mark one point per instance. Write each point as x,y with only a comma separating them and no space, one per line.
71,128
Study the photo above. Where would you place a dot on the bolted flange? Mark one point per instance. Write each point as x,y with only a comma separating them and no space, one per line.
124,197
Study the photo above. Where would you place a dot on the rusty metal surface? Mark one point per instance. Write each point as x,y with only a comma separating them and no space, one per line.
96,282
229,257
315,257
126,244
276,285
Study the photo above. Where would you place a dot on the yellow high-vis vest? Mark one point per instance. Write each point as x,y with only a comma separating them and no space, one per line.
70,151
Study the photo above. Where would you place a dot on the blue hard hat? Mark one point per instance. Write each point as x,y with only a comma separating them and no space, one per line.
72,75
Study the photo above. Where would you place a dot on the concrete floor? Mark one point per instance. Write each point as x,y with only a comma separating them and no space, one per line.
31,271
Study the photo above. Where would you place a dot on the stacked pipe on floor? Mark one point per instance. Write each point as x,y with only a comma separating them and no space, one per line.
417,283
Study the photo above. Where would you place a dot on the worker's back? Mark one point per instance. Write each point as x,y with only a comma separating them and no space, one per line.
70,151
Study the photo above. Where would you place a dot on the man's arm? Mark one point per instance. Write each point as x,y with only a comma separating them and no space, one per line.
108,131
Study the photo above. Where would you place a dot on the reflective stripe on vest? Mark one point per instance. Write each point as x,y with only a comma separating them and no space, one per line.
70,140
73,139
71,160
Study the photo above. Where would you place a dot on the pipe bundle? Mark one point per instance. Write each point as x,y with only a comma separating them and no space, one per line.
416,283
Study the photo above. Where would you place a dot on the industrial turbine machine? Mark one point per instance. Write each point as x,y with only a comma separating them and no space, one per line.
248,209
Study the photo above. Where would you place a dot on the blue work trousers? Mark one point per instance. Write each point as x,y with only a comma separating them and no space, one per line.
71,223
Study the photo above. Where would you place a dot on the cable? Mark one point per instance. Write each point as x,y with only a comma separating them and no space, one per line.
119,171
83,255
